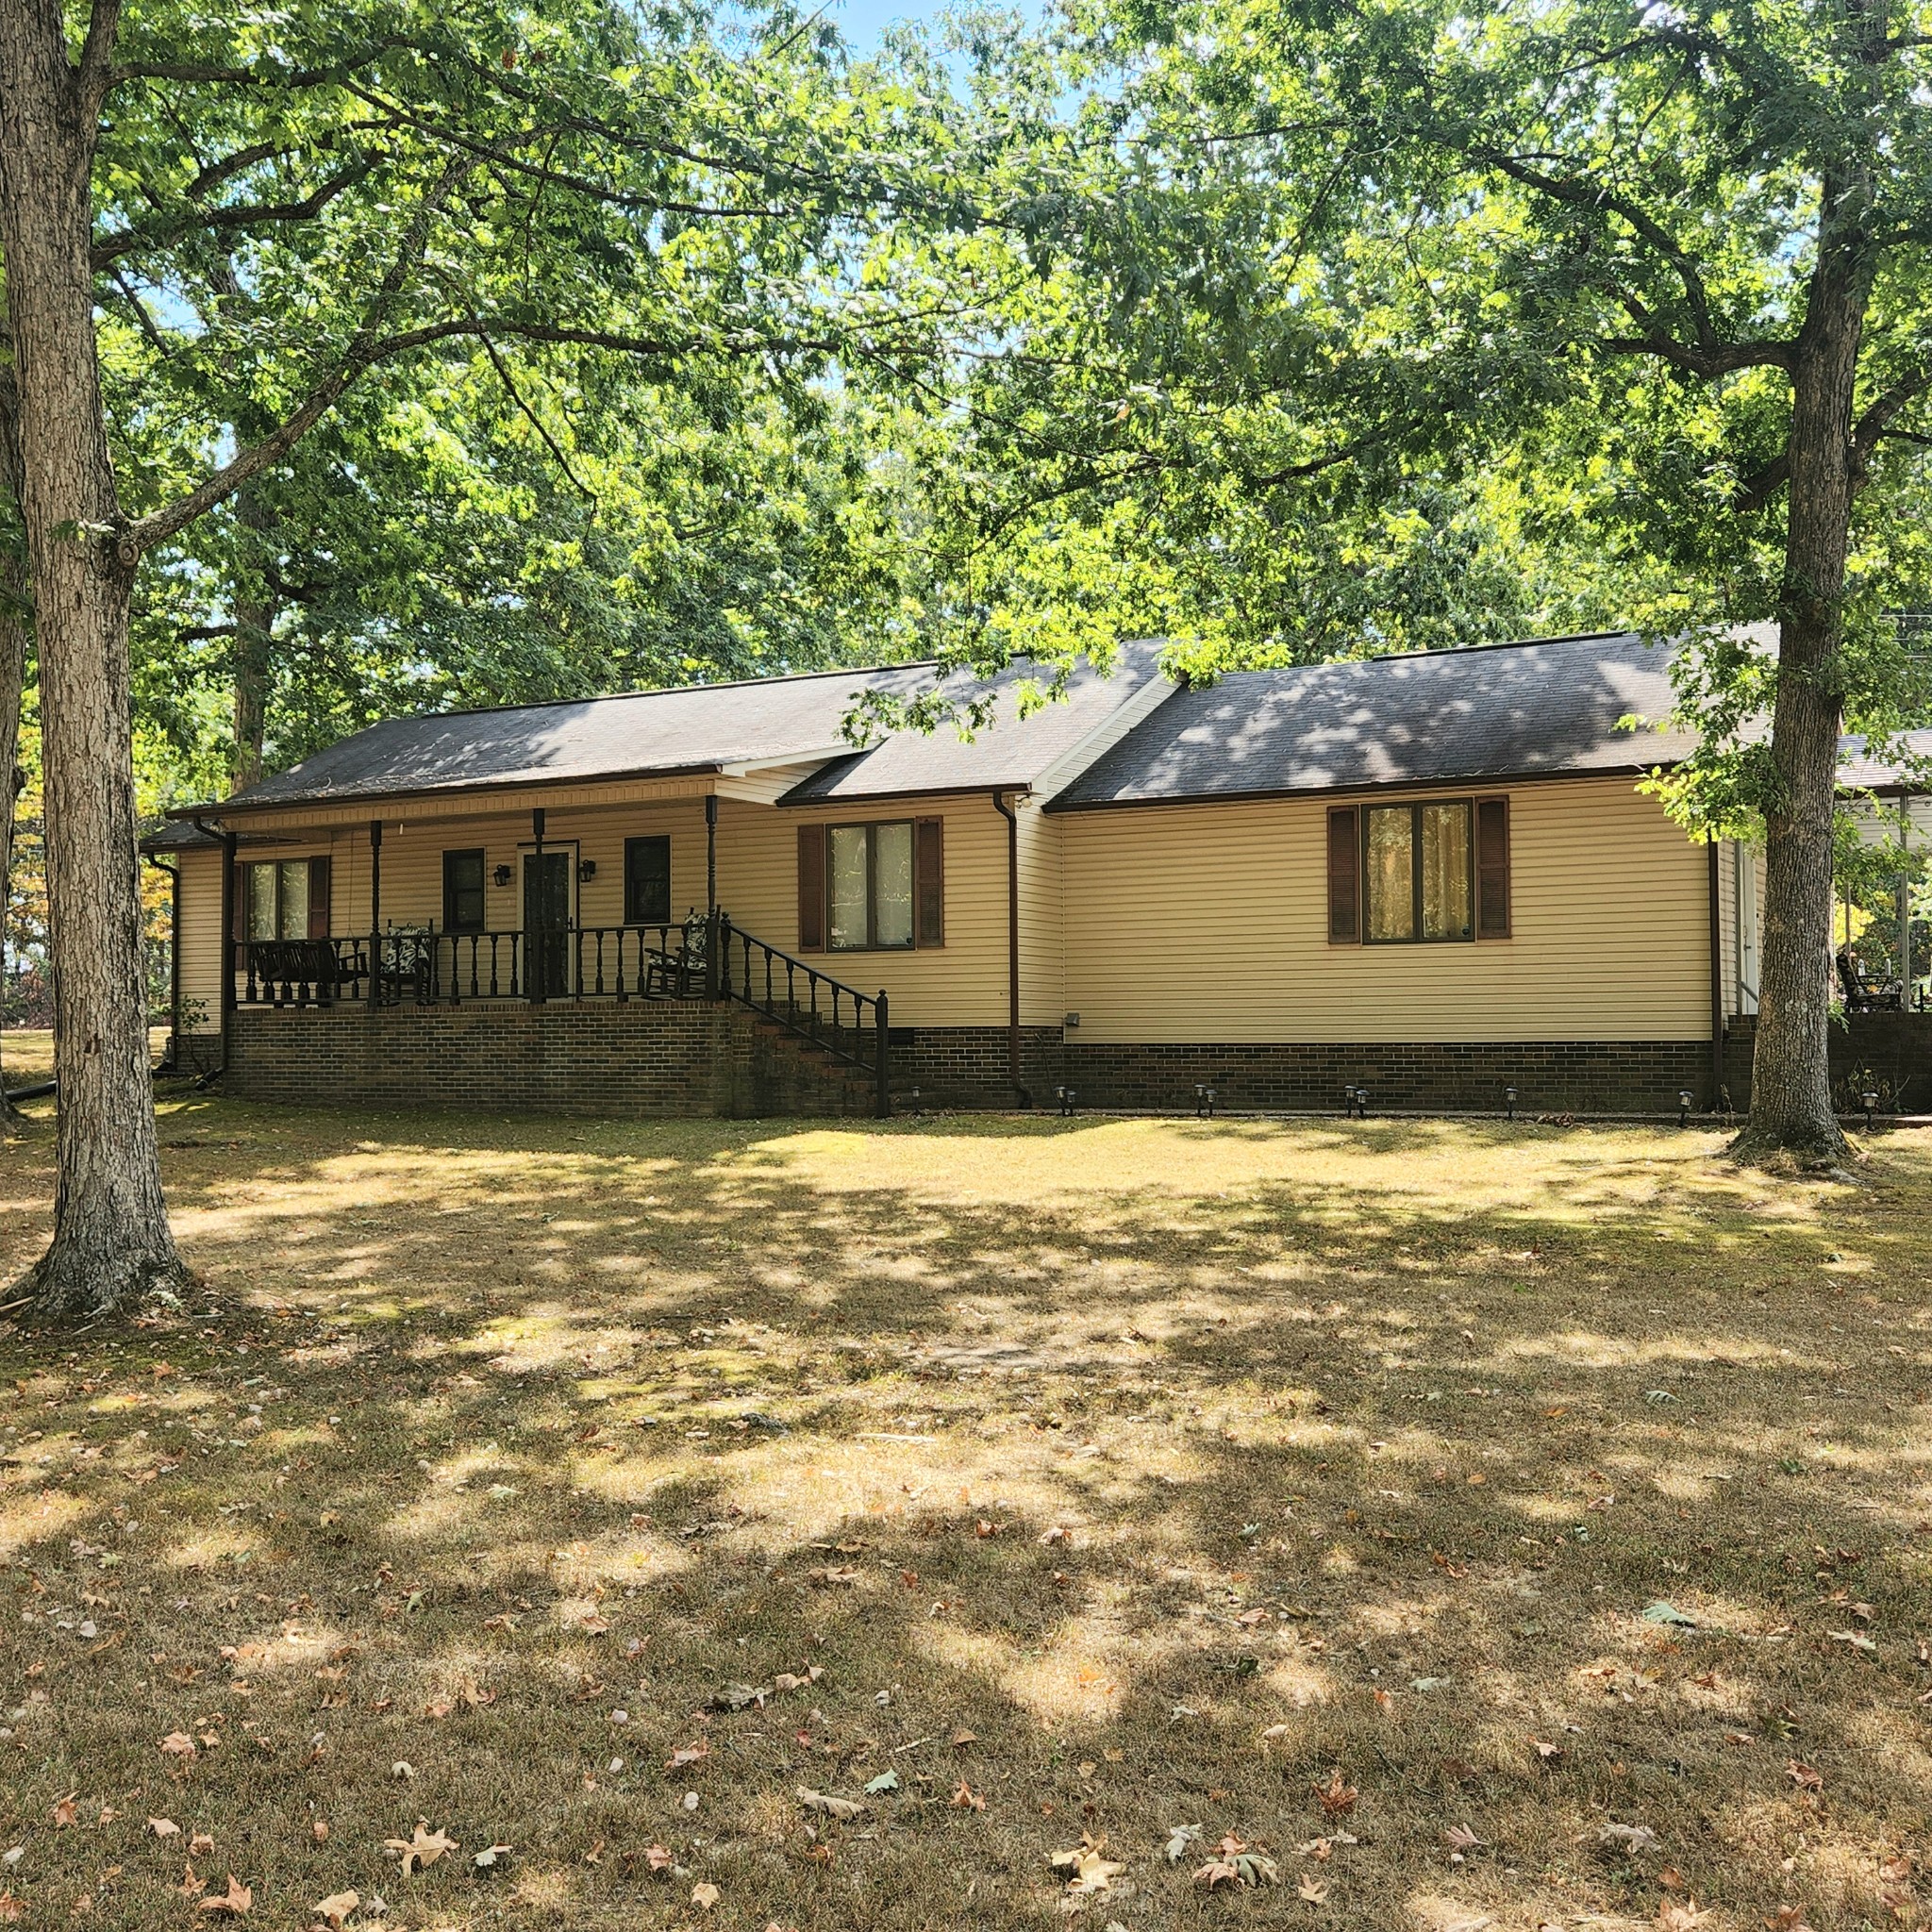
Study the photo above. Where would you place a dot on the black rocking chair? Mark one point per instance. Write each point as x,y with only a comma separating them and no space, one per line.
678,974
1865,995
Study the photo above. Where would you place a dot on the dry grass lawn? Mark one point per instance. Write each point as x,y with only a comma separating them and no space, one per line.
1487,1525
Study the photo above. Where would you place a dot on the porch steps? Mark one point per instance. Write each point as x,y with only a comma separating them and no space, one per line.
792,1075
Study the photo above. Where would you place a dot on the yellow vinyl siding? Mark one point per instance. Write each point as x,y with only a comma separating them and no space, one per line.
1210,924
201,938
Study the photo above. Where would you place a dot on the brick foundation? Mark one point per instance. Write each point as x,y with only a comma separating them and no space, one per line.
663,1060
670,1059
1550,1076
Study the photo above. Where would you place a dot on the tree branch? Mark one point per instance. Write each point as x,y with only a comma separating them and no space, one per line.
1722,359
110,247
1755,491
530,415
1879,417
95,74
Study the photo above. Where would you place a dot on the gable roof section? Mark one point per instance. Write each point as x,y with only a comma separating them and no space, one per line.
1547,708
705,728
1010,754
687,729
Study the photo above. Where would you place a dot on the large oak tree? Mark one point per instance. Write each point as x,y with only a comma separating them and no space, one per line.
387,179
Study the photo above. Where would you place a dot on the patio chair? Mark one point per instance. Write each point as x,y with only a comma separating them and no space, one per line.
1864,993
678,972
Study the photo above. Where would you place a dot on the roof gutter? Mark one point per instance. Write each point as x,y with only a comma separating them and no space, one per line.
355,801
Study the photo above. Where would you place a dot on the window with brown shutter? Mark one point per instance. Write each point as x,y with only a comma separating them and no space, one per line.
812,889
1493,868
1344,878
319,877
932,883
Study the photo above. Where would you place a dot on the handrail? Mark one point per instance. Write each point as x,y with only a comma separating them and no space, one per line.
750,970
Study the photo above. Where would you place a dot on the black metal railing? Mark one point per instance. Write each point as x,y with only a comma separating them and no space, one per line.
702,958
810,1002
302,973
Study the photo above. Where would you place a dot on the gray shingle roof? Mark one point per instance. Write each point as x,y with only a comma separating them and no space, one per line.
697,728
1009,753
1543,709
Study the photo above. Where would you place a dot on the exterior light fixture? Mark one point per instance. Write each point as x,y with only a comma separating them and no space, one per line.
1348,1102
1509,1101
586,869
1066,1097
1871,1100
915,1100
1203,1101
501,876
1683,1107
1361,1101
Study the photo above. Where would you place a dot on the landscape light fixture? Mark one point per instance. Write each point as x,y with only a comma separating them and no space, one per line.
1362,1103
1683,1107
1871,1108
1203,1101
1509,1101
1066,1097
1348,1102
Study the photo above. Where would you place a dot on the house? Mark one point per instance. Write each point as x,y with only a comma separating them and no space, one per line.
1433,876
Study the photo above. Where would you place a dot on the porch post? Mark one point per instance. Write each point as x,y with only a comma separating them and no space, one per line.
375,914
533,933
228,842
1905,902
711,853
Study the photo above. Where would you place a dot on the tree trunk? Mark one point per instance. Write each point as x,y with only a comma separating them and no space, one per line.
254,641
111,1243
13,680
1791,1081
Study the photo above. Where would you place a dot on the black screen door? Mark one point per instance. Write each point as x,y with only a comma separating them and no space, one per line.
546,921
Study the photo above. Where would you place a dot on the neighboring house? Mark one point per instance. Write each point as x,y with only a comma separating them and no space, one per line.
1434,876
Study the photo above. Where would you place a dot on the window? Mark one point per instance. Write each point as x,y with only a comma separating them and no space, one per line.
869,879
463,890
871,887
1419,874
647,881
284,899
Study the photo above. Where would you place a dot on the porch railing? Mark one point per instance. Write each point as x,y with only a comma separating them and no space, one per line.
804,1000
701,959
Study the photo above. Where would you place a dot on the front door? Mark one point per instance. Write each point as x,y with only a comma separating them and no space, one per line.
546,922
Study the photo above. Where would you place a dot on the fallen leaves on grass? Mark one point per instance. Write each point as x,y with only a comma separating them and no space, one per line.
179,1744
965,1798
833,1807
336,1908
164,1828
1235,1862
1635,1839
230,1904
421,1849
1672,1917
705,1895
1338,1796
1804,1775
1092,1871
687,1754
1310,1888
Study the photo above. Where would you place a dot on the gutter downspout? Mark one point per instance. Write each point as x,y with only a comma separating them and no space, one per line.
1002,804
171,1058
1717,986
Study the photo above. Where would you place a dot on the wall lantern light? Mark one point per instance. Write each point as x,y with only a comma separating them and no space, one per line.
586,871
501,875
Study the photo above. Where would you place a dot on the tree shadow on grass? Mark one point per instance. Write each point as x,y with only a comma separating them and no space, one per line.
495,1432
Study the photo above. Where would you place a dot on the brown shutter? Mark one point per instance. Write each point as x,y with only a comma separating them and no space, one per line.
931,883
1493,868
1344,878
319,871
812,889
